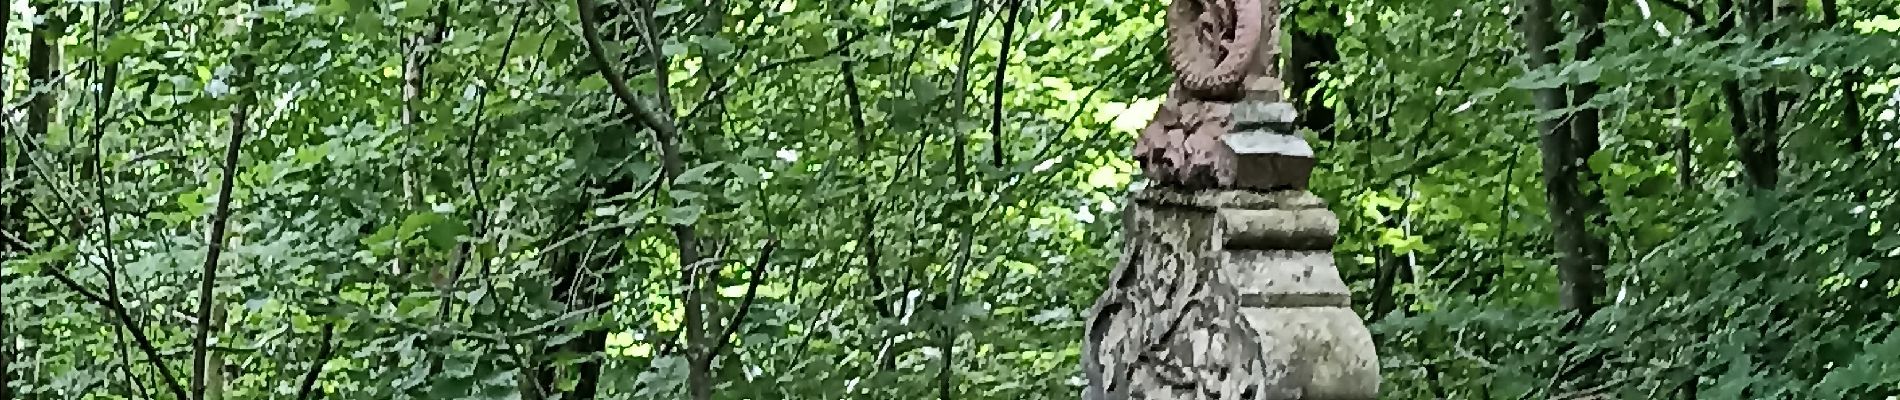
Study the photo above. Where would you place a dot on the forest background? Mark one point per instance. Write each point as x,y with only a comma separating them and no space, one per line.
425,199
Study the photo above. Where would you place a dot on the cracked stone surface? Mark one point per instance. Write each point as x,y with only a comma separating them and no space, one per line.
1227,295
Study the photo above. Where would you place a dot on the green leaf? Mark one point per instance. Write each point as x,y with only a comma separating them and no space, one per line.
441,232
62,254
668,9
746,173
683,215
696,174
1537,79
1587,72
924,89
368,25
1890,244
120,46
714,45
417,8
1600,162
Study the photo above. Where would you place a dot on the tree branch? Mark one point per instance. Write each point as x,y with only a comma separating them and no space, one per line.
996,85
220,219
118,311
325,348
671,163
662,126
724,339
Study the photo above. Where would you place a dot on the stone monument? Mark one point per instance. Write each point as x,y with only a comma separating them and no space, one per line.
1226,288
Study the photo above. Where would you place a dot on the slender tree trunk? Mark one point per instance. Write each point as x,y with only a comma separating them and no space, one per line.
959,155
215,241
1755,120
1384,285
700,369
414,190
1585,135
39,73
997,157
879,299
414,86
1578,288
39,70
214,369
1684,141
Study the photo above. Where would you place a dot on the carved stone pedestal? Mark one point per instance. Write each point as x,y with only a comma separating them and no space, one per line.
1226,289
1228,294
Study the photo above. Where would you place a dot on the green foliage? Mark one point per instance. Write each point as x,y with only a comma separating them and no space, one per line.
509,227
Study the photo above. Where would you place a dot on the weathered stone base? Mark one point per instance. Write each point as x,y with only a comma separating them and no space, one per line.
1227,295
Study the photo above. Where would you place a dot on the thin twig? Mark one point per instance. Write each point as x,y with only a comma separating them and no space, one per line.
724,339
474,170
325,348
996,85
119,312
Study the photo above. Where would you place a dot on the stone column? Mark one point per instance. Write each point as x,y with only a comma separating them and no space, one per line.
1226,288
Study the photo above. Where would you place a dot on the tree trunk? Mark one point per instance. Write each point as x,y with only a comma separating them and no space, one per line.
959,160
1684,142
39,71
997,158
1579,282
701,347
221,216
1586,140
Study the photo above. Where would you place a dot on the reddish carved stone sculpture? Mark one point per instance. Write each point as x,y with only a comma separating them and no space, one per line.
1210,46
1222,116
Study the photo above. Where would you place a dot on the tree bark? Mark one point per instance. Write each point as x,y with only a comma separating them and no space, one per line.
1755,122
1685,155
325,349
39,72
699,368
997,158
1579,286
959,158
1586,140
240,116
